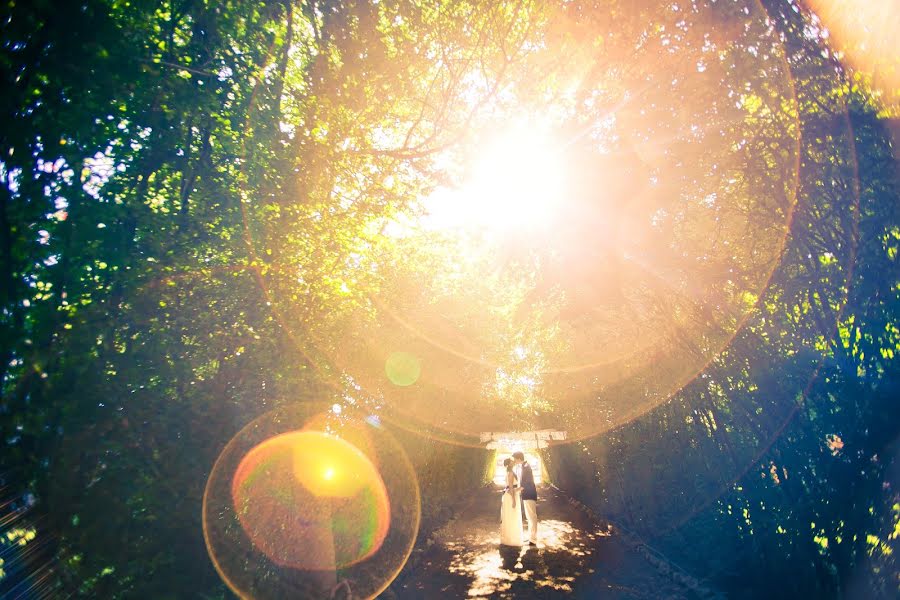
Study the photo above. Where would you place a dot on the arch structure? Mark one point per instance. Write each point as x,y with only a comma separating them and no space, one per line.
504,443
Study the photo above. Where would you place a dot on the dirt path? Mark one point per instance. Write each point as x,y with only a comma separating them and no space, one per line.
575,557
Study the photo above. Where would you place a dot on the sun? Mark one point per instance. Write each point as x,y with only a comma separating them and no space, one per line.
515,182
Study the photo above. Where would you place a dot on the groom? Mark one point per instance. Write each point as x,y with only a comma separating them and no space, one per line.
529,497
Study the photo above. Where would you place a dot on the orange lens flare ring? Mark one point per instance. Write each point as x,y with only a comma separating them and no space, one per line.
311,501
304,500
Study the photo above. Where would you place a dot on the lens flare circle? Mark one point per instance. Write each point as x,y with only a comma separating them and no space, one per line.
304,501
403,368
311,501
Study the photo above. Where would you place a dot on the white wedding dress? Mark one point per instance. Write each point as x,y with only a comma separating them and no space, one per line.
510,520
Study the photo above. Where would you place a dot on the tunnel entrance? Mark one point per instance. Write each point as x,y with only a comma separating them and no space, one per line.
527,442
532,458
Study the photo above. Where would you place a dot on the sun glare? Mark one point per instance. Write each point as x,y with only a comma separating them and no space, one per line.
516,182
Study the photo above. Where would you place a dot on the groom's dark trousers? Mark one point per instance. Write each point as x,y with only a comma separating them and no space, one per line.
529,501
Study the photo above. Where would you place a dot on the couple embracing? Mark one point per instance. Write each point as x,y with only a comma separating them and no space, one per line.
514,498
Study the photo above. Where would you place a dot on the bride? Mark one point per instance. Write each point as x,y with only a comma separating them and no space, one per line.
510,509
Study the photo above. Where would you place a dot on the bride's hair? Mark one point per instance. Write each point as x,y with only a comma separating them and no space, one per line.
508,463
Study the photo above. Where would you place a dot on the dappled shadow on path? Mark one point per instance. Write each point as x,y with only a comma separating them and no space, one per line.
494,569
575,557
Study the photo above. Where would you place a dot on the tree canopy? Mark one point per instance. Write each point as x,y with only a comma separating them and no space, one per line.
670,229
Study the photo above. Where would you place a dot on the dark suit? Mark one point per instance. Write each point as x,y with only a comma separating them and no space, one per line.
529,491
529,501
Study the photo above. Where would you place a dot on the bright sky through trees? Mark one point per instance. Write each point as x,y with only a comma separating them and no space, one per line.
515,182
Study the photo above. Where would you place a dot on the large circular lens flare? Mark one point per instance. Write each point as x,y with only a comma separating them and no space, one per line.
590,241
312,501
304,502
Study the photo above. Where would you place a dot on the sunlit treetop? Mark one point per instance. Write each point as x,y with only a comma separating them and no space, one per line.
563,221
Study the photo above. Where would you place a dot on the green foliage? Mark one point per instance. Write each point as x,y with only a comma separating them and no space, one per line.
446,472
192,211
774,471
